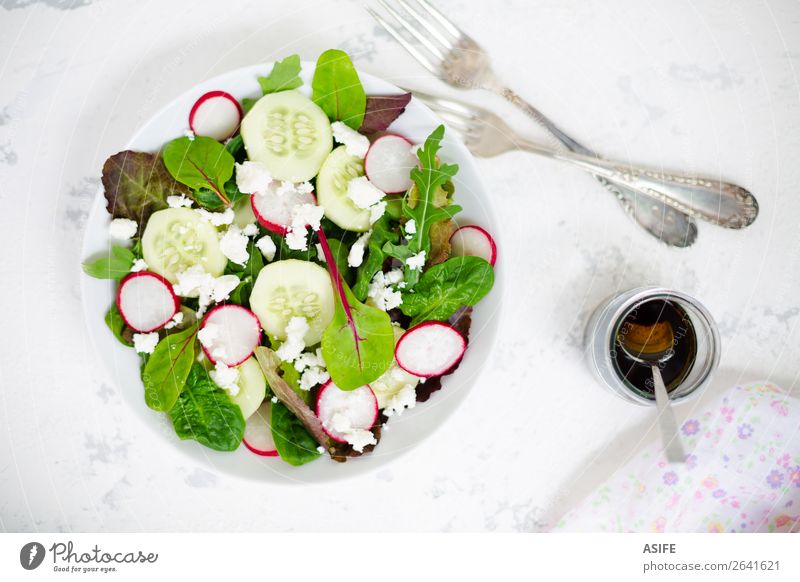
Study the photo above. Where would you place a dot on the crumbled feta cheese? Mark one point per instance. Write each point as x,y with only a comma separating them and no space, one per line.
267,247
320,253
363,193
416,262
233,245
225,377
195,282
303,215
313,377
123,228
356,144
138,265
274,399
217,218
252,177
309,359
250,229
145,343
189,133
411,227
376,211
177,319
356,255
357,437
312,368
321,450
180,201
383,289
405,398
294,344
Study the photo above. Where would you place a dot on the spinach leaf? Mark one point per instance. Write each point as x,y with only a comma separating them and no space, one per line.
167,368
235,147
204,412
200,163
382,233
428,179
136,184
295,444
382,110
358,344
337,89
445,288
117,325
114,265
284,76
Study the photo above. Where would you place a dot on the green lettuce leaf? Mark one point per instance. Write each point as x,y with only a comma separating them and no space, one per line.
204,412
444,289
285,75
294,443
164,375
136,184
116,264
337,89
200,163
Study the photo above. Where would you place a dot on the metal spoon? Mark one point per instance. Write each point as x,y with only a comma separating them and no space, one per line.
652,345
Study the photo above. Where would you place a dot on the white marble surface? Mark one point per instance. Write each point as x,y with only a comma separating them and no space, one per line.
709,86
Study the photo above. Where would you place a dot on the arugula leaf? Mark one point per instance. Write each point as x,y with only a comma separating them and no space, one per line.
167,368
381,111
337,89
294,443
358,344
382,233
200,163
284,76
204,412
117,325
114,265
428,180
136,184
445,288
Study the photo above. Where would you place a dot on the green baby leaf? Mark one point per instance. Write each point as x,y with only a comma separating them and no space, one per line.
200,163
294,443
444,289
285,75
117,325
337,89
204,412
167,368
382,233
114,265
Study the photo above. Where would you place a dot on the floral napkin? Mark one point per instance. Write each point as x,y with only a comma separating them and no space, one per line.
742,474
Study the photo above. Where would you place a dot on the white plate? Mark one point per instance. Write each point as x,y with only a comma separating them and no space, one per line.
405,431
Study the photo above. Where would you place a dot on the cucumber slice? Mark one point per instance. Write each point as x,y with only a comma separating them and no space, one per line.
337,171
252,387
289,134
293,288
178,238
394,379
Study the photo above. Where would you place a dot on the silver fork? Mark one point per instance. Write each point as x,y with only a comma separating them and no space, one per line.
486,135
457,59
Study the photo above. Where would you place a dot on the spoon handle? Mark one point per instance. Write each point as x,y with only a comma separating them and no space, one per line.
666,421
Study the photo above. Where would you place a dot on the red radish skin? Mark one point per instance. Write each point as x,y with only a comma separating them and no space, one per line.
217,317
430,349
322,399
276,219
126,311
388,163
473,241
258,433
221,103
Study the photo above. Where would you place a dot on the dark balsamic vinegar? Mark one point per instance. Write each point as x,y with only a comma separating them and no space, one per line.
674,370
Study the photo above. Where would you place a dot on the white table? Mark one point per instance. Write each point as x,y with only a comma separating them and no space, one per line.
709,86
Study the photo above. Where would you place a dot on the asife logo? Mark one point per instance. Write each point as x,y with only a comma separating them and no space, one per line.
31,555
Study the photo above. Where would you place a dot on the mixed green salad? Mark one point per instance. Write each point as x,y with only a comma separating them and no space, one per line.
289,270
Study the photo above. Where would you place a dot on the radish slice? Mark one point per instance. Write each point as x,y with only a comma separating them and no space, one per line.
274,211
346,410
146,301
473,241
430,349
229,334
216,114
258,432
389,162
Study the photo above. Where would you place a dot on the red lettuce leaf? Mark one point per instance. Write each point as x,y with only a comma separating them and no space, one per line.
382,110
